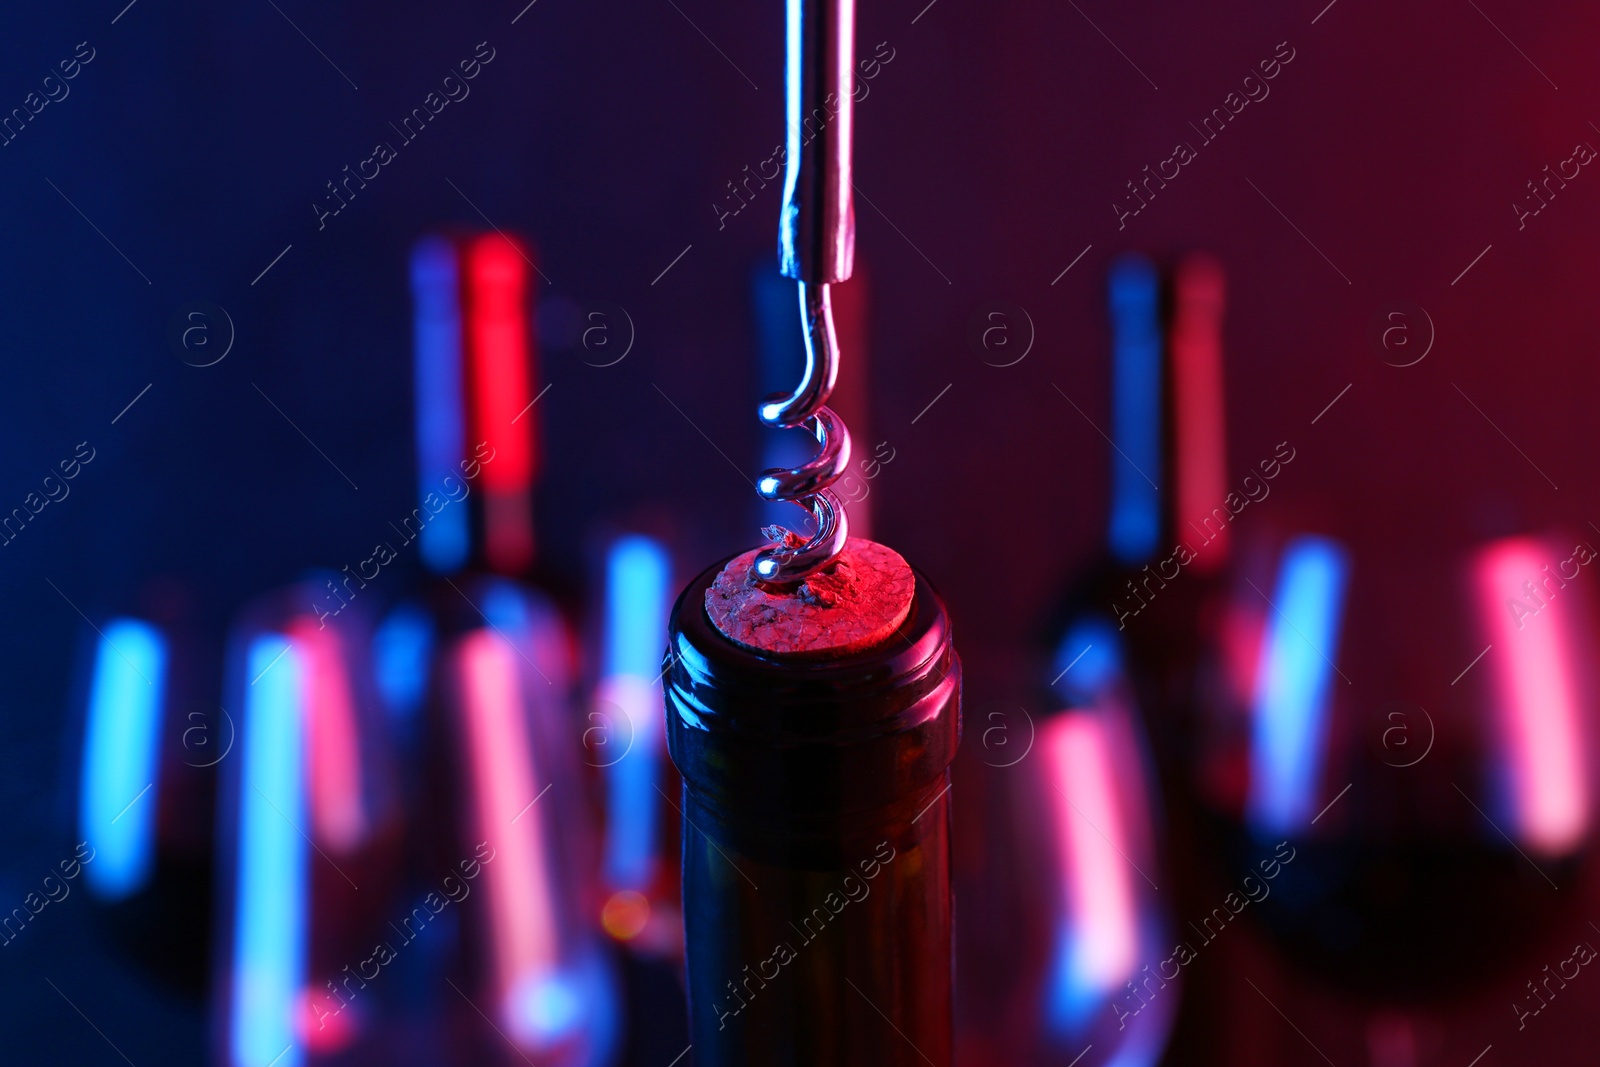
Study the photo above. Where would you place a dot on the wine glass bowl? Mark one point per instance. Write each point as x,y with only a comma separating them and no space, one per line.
1418,727
1072,878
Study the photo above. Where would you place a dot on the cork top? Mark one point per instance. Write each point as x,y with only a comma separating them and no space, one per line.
853,604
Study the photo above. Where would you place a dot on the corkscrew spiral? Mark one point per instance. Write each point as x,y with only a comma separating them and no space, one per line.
816,247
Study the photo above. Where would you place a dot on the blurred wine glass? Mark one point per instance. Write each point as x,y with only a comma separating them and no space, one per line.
152,738
1420,726
1401,730
1108,929
532,963
502,800
309,839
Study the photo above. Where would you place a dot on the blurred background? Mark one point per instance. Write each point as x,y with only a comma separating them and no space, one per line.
1348,174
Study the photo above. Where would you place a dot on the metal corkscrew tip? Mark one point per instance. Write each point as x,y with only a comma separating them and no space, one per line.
816,244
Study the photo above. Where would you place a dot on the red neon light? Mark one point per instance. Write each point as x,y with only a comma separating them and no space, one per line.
500,356
1200,452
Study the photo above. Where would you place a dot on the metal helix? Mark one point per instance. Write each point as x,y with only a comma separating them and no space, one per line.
816,247
807,485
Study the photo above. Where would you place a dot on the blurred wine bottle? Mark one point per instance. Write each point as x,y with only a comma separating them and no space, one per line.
1167,531
490,665
1088,903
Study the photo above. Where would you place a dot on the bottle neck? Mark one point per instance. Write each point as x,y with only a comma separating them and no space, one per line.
476,423
1137,469
1169,460
1200,511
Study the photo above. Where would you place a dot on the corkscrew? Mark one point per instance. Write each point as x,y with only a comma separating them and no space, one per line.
816,247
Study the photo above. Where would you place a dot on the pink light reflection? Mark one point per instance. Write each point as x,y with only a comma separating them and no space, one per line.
524,940
338,816
1095,876
1527,619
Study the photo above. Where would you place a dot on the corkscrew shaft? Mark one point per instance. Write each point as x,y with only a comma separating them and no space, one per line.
816,247
817,227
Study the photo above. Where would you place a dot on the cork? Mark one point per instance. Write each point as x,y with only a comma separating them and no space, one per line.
855,603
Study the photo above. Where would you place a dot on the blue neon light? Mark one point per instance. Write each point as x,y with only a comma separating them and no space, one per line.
119,789
1088,661
1136,467
506,608
1072,996
638,576
269,950
401,652
1292,682
441,437
546,1007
